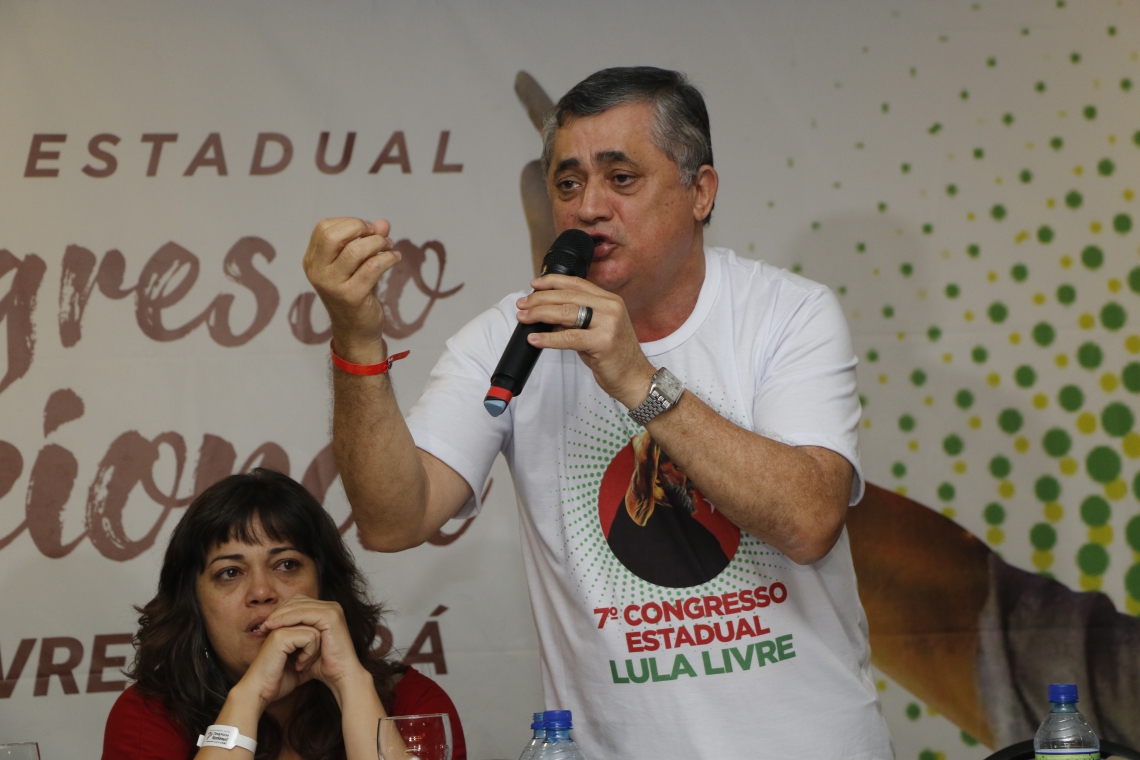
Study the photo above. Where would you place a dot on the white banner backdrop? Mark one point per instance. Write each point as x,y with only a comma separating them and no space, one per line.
162,166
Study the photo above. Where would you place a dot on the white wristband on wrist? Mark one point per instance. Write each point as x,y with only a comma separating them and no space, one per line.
226,737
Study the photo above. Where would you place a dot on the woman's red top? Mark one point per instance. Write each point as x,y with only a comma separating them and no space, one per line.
141,729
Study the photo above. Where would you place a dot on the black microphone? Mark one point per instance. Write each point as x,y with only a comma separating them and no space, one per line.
571,254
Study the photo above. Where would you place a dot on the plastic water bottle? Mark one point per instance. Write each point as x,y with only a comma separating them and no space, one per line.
1065,733
558,744
536,741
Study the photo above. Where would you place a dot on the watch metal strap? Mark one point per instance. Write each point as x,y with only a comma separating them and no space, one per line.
664,393
652,406
226,737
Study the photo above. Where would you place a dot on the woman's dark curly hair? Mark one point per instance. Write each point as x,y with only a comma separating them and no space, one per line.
174,660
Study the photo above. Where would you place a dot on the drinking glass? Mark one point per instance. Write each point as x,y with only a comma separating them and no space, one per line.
414,737
25,751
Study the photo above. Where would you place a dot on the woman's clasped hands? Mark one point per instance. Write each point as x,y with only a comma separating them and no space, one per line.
305,639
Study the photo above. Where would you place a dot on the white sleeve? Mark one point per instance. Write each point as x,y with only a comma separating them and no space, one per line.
805,381
449,420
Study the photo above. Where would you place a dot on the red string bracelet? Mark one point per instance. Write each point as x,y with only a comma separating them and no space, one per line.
365,369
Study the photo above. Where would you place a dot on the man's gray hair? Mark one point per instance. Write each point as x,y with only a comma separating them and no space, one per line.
681,128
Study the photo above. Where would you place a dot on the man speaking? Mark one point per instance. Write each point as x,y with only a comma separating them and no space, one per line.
684,451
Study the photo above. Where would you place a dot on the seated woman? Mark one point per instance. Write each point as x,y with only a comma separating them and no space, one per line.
262,623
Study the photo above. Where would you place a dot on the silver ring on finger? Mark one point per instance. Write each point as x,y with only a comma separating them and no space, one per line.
585,314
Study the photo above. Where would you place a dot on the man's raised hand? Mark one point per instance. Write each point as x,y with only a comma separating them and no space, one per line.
345,259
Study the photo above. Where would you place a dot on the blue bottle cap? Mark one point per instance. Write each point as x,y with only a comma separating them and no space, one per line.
558,719
1062,692
538,722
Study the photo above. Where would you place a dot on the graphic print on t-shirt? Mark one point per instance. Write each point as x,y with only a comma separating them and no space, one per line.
657,523
675,592
599,454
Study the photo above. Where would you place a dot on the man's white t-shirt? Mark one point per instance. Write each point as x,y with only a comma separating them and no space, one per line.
668,631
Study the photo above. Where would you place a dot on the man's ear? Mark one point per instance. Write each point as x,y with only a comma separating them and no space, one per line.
704,192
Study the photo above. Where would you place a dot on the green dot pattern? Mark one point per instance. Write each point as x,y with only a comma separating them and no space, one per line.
994,514
1057,442
1117,419
1044,334
1130,376
1113,316
1010,421
1103,464
1092,559
1047,489
1132,581
1071,398
1132,534
1043,536
997,279
1095,511
1090,355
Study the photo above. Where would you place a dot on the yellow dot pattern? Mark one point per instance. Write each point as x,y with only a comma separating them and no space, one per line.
997,280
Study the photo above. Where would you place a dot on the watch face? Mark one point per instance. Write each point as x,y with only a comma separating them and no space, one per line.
669,386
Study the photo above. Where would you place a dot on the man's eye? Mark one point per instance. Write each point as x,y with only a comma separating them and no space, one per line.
623,179
566,185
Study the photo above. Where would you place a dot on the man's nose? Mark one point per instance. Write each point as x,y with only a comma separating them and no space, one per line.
595,205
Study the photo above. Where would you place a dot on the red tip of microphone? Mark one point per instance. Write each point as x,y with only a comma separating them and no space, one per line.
501,393
496,400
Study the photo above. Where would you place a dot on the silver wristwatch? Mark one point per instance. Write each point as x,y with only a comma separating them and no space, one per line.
664,392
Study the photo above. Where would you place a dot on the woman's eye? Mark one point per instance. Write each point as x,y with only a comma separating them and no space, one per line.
289,564
228,573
